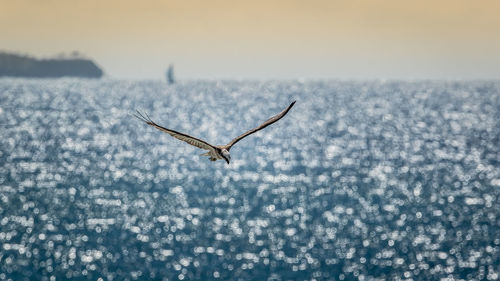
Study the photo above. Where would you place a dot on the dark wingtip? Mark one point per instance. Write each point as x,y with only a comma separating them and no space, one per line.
141,117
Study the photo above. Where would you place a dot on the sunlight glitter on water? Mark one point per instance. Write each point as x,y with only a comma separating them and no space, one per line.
362,180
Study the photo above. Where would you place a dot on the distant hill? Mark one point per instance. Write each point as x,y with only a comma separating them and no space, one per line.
14,65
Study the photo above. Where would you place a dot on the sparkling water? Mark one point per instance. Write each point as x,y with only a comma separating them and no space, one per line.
361,180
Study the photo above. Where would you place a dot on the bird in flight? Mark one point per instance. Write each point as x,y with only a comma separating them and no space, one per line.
215,152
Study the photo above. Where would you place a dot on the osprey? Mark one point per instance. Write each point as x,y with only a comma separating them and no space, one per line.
215,152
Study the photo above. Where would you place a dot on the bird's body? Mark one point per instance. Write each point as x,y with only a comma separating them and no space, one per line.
215,152
214,155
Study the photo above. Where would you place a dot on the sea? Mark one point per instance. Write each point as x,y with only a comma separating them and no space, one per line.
362,180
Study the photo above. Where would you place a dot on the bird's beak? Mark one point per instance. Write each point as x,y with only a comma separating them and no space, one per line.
227,160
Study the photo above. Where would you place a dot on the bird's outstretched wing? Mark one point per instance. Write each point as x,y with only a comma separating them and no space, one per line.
181,136
262,126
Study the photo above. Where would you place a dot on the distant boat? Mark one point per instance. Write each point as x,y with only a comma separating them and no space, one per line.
170,74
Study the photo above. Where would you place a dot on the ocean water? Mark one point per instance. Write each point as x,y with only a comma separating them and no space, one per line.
360,181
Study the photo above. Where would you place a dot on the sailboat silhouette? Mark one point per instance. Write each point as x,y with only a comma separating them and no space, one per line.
170,74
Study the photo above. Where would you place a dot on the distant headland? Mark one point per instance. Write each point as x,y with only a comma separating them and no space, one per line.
15,65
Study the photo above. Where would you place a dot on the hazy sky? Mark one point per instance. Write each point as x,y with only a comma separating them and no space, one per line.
452,39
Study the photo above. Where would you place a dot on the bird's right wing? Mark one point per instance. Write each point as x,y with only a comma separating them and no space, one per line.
180,136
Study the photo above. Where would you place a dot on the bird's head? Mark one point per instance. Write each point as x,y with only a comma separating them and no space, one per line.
226,155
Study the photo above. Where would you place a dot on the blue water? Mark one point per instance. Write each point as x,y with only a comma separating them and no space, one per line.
360,181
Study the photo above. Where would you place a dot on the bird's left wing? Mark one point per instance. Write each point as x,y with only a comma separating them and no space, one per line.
268,122
178,135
